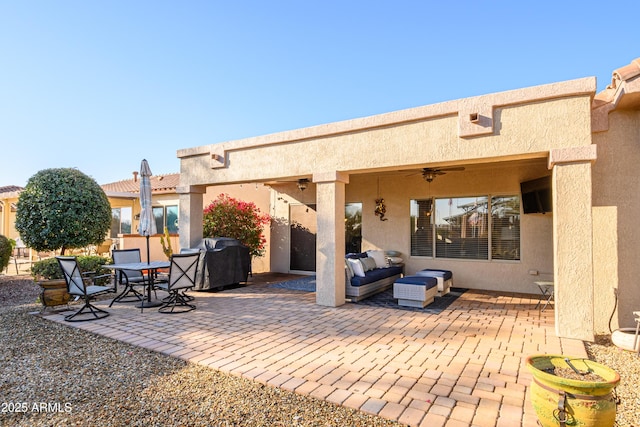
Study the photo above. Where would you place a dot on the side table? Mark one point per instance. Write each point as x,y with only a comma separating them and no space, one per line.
546,289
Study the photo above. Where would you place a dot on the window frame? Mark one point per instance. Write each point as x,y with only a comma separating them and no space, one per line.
119,219
165,218
490,197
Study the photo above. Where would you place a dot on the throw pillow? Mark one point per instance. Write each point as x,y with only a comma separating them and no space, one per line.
378,257
356,266
348,269
368,263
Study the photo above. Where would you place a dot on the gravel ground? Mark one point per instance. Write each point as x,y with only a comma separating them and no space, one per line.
60,376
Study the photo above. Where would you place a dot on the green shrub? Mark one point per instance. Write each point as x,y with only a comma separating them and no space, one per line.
48,269
62,209
5,252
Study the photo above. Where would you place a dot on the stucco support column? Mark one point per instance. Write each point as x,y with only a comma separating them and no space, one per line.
190,222
330,200
573,242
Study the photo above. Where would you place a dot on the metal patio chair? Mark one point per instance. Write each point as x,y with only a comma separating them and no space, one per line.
128,278
77,286
182,277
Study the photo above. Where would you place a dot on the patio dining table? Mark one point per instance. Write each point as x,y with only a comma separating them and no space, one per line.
152,267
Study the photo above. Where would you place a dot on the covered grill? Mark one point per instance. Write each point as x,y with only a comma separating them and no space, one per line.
226,262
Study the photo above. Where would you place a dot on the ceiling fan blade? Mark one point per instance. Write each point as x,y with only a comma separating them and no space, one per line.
452,169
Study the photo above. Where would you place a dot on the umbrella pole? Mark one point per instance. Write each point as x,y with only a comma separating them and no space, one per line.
148,257
150,278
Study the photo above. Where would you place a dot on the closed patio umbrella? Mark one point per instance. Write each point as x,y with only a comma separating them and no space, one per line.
147,225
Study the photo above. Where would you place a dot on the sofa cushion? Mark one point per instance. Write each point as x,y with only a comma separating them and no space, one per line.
378,257
428,282
356,267
434,272
348,269
356,255
368,263
375,275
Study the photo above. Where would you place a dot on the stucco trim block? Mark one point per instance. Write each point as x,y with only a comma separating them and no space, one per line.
334,176
572,155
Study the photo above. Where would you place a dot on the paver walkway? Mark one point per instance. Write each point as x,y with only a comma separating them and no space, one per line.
463,367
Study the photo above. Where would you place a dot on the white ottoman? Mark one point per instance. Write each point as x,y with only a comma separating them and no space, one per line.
444,277
415,291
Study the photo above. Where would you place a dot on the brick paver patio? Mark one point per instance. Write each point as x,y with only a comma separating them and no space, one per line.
463,367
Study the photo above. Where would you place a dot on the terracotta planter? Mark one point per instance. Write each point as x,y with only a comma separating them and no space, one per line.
54,292
560,401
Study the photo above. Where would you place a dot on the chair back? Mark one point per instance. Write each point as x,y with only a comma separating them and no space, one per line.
183,270
201,263
125,256
72,275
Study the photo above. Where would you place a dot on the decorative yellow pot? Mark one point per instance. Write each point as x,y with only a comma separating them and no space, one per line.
54,292
564,402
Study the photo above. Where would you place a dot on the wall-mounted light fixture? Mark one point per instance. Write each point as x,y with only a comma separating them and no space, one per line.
302,184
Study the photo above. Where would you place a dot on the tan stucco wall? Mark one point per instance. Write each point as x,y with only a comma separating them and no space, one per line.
7,225
132,241
573,250
616,234
520,131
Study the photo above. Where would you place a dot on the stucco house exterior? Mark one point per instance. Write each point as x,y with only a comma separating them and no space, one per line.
476,220
8,200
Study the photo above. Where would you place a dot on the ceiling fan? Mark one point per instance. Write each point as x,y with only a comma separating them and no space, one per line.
301,183
429,174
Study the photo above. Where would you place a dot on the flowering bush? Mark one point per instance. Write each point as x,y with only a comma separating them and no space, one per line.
230,217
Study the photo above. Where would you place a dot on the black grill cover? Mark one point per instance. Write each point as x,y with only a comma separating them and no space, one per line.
226,262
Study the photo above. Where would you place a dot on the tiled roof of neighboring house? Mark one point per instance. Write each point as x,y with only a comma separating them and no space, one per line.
620,76
5,191
623,92
160,184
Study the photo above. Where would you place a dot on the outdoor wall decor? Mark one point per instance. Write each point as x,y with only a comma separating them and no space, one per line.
381,209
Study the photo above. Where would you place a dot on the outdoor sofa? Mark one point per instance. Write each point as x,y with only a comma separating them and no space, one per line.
368,273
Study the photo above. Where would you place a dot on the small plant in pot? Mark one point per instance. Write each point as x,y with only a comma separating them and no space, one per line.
572,391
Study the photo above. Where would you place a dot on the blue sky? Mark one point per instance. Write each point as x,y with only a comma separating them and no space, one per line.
100,85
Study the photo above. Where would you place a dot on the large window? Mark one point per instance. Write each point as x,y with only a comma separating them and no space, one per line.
353,227
422,227
120,221
479,227
505,227
461,228
166,216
